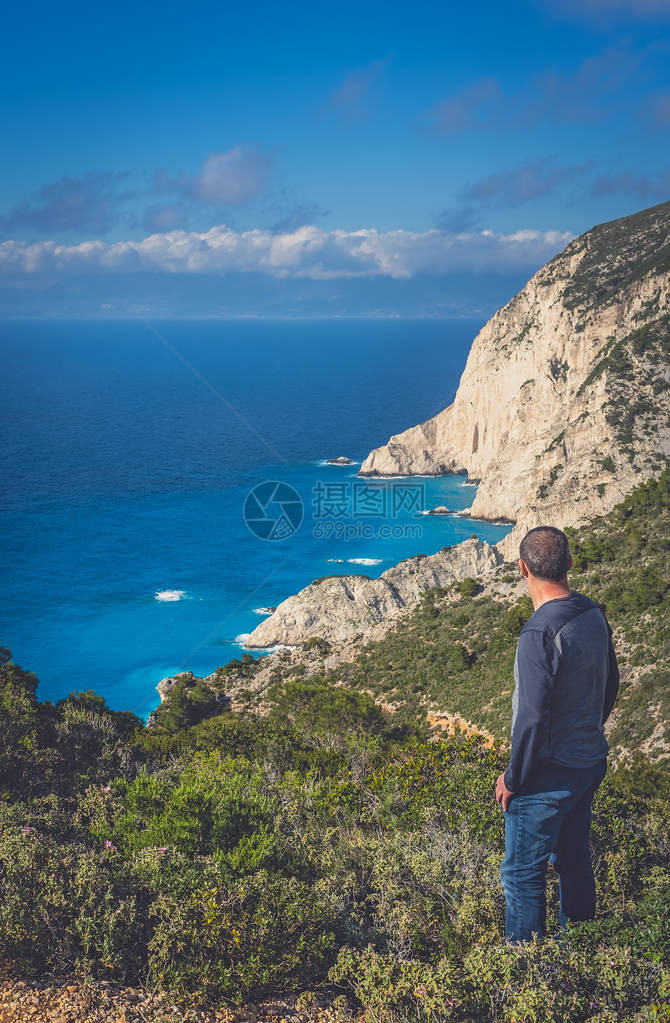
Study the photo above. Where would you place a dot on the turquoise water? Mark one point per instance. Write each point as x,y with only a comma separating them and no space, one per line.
126,555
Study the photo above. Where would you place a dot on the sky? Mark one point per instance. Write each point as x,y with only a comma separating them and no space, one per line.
318,159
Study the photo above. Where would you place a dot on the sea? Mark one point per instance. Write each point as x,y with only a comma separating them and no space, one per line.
164,483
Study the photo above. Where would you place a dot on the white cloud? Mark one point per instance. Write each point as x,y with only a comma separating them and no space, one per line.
233,177
306,252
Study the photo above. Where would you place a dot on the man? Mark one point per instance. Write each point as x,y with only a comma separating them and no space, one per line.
567,680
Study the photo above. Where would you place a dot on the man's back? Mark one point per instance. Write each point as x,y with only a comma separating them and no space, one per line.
577,628
565,683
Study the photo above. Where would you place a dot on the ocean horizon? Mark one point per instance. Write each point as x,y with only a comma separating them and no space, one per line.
130,450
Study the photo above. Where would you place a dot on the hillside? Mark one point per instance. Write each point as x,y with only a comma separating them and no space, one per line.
312,842
564,403
450,656
455,653
323,847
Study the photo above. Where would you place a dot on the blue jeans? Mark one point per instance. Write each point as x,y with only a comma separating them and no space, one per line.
552,821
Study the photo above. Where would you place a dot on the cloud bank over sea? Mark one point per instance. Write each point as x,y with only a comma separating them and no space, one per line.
308,252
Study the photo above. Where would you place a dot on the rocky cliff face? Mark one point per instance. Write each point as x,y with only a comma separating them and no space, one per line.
338,607
564,403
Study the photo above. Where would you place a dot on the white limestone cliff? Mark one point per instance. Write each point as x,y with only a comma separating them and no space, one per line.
563,406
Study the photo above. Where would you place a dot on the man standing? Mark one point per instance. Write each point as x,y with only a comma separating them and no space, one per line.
566,682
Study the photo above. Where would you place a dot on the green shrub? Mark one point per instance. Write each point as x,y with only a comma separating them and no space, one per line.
555,981
548,981
517,616
391,988
319,705
468,587
216,806
64,907
190,702
225,939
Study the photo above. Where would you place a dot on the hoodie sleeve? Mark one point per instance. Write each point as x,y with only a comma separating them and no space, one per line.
612,685
538,663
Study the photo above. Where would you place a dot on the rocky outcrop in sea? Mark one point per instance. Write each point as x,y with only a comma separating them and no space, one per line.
337,607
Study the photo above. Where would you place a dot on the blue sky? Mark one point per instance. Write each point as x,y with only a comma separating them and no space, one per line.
320,143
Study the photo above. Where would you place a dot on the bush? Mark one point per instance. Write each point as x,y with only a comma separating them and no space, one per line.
319,706
468,587
190,702
220,877
64,907
518,615
548,981
216,806
226,939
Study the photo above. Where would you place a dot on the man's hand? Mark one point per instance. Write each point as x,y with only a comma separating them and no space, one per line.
503,793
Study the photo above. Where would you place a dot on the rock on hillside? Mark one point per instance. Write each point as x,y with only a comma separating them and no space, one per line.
564,403
337,607
166,685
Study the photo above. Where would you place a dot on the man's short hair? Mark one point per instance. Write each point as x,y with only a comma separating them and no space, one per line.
546,551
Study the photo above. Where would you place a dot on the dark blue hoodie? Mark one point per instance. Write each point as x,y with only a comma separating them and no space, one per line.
567,680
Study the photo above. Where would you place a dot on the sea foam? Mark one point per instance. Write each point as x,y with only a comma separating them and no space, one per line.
356,561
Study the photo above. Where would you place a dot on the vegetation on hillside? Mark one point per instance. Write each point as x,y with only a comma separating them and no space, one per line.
455,652
619,253
246,855
328,843
636,368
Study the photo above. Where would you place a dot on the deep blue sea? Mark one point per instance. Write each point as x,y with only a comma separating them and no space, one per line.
127,461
